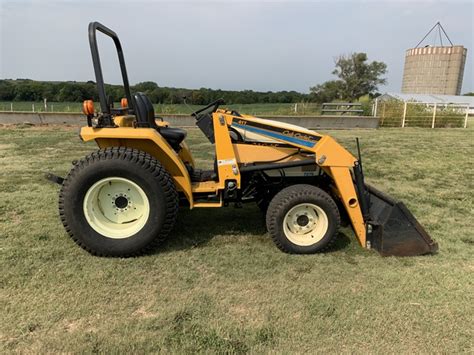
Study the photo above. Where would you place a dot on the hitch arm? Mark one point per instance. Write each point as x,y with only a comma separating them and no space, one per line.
54,178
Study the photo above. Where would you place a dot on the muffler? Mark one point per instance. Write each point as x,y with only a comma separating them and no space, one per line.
392,228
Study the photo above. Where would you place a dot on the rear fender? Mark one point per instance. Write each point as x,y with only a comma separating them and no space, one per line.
147,140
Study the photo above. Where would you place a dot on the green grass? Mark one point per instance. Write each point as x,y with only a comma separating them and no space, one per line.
254,109
220,285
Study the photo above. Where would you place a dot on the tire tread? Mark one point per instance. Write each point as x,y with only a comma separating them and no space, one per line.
144,161
279,203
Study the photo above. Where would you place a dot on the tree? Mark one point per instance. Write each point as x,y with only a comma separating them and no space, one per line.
146,86
7,91
356,76
28,90
359,77
327,92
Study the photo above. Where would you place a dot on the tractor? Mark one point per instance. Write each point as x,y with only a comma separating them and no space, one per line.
123,199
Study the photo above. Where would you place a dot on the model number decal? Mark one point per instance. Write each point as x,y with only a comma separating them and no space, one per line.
226,162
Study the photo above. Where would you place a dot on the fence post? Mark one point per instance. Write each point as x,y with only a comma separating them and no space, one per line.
374,111
404,114
434,116
11,106
33,107
383,114
465,117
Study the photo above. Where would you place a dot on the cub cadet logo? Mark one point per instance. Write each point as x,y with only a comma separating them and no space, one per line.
299,135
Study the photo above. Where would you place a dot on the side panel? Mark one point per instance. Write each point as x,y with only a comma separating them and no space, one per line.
253,129
148,140
252,153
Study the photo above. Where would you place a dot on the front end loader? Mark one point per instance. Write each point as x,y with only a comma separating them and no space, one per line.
123,199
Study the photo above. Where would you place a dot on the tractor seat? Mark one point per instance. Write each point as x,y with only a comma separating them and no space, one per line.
174,136
146,118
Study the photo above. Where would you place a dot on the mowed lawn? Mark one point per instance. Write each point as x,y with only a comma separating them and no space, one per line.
220,285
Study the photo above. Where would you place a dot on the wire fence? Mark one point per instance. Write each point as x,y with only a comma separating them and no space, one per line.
40,106
391,113
300,108
395,113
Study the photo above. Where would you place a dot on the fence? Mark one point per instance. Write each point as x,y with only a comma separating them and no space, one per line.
395,113
306,108
342,108
281,109
40,106
75,119
301,108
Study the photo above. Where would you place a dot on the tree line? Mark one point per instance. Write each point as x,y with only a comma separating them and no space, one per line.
70,91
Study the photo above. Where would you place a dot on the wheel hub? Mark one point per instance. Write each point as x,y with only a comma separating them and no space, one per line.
302,220
121,201
305,224
116,207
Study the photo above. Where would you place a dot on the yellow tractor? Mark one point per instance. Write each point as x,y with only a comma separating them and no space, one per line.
123,199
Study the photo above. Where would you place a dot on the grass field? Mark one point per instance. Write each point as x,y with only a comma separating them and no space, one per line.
254,109
220,285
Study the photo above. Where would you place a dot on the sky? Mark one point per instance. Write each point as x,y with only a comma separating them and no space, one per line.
231,45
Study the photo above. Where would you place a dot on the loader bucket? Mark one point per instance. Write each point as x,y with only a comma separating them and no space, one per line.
395,231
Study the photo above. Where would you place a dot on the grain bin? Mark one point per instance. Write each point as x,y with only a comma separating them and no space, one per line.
434,69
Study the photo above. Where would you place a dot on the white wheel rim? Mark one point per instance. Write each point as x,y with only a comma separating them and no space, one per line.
305,224
116,207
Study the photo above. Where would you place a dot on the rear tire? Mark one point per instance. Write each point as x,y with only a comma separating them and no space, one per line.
118,202
303,219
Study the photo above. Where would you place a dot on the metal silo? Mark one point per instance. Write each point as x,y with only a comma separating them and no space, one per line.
434,69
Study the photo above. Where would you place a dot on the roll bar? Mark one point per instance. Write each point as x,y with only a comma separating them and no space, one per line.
104,105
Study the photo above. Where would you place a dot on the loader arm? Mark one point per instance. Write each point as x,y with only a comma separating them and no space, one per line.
378,221
337,162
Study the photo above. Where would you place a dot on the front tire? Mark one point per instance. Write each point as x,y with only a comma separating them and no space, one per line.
118,202
302,219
